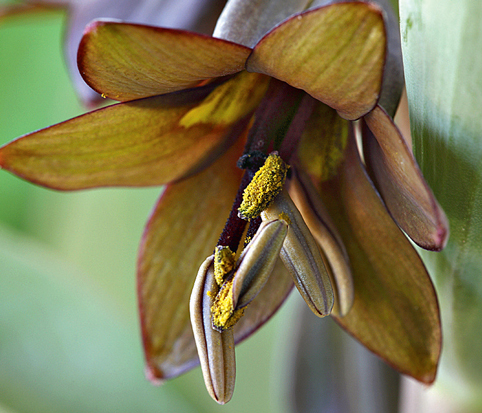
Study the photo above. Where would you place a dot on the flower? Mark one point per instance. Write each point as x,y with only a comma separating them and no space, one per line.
196,15
188,109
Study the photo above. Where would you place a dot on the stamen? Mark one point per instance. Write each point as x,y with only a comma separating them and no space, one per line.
251,274
301,256
266,184
252,229
224,260
215,349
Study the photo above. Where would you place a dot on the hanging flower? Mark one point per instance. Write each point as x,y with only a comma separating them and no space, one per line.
193,107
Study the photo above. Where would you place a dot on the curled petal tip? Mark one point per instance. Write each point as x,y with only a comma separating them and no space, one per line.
153,375
441,235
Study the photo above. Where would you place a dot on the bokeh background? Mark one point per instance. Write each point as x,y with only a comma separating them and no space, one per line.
69,334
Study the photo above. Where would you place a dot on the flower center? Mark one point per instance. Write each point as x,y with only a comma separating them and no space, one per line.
276,130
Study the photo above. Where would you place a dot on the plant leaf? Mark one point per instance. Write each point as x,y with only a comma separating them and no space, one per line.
395,312
147,142
131,61
335,53
444,90
401,184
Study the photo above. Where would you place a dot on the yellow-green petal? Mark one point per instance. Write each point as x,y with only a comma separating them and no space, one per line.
150,141
131,61
335,53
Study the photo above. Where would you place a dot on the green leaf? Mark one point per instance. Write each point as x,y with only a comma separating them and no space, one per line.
444,86
130,61
335,53
146,142
395,312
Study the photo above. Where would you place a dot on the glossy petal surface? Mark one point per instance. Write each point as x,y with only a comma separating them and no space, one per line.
335,53
246,21
401,184
147,142
128,61
395,313
180,234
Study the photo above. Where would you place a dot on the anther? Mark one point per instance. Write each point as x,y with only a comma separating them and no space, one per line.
266,184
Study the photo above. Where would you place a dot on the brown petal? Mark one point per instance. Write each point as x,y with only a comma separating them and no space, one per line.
401,184
12,9
335,53
130,61
146,142
395,313
181,232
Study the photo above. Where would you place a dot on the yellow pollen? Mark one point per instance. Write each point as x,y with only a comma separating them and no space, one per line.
234,318
284,217
224,260
223,308
266,184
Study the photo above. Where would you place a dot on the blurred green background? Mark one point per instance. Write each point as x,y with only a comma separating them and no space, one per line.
69,335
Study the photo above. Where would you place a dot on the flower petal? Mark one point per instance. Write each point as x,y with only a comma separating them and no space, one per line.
322,146
393,79
335,53
401,184
147,142
12,9
130,61
395,313
180,234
